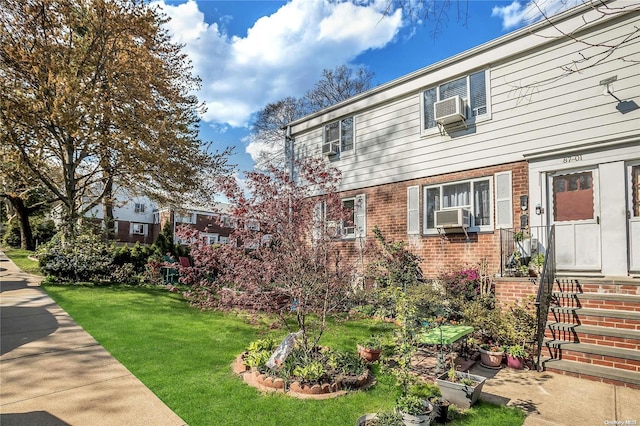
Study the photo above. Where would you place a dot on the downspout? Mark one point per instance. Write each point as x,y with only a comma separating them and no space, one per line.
288,150
288,153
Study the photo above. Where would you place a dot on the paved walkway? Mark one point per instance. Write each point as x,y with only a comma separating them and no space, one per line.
551,399
53,373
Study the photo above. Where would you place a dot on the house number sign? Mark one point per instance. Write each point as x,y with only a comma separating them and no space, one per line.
572,158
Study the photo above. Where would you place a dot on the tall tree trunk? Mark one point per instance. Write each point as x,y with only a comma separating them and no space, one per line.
107,210
22,212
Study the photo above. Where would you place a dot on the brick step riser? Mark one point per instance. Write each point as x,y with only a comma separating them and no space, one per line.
597,288
589,377
594,339
620,323
594,359
572,302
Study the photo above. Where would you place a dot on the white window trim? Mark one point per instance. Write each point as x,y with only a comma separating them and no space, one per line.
139,208
470,120
474,228
359,218
340,153
188,218
145,228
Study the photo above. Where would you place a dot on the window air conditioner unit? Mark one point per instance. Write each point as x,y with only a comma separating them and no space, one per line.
453,218
330,149
450,110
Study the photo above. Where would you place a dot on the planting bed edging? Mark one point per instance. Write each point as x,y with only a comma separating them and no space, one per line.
275,384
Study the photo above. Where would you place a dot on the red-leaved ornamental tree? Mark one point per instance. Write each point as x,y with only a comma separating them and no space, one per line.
283,258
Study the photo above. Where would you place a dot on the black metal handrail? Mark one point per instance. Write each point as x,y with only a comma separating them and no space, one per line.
543,299
518,248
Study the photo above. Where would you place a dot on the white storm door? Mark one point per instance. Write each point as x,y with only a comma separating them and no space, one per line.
633,216
576,215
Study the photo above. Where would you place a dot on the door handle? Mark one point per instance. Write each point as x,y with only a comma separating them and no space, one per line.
598,220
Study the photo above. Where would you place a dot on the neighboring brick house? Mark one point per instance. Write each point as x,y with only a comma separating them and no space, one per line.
500,136
138,219
215,224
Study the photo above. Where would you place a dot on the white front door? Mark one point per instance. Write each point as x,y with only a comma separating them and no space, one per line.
633,216
575,211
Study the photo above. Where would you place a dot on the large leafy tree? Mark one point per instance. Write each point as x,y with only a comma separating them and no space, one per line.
23,192
97,89
334,86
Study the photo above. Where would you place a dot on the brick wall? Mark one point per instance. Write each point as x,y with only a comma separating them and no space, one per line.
387,208
510,290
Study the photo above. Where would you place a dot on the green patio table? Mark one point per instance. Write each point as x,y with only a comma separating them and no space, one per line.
445,335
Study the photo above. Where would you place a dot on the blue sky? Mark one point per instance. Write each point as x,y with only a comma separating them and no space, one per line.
249,52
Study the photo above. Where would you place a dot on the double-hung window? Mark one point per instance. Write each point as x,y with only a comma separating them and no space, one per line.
472,88
338,136
475,195
351,225
138,208
138,229
354,223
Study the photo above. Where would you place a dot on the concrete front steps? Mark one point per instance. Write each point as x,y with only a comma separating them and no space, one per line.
593,330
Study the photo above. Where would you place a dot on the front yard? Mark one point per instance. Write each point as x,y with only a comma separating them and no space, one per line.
184,355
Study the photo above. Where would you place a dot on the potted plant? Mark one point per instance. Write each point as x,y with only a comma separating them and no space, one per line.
461,389
370,348
440,408
491,355
523,243
516,356
536,264
386,418
414,410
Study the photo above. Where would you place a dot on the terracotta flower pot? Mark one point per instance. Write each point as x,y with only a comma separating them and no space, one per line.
490,359
369,355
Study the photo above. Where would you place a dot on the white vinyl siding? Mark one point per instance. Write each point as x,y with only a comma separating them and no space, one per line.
413,210
475,195
530,109
504,204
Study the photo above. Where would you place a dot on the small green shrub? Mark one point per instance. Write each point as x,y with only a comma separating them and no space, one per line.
311,372
81,258
410,404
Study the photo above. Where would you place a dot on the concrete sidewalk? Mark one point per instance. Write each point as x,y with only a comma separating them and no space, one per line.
52,372
551,399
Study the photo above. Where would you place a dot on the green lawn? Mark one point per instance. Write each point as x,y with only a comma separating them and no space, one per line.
20,258
184,356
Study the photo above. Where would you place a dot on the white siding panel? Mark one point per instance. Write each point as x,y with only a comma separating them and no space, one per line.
563,112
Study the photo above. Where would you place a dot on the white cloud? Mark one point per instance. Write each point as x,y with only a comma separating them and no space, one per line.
518,13
282,54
